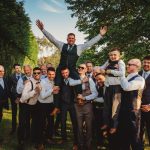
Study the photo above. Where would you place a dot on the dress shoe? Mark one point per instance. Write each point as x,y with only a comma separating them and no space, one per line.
51,141
61,142
112,130
55,111
75,147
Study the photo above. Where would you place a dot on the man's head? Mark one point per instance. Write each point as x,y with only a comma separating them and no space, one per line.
96,70
37,73
82,69
89,66
71,38
114,54
43,69
100,78
27,70
65,72
17,68
146,63
2,71
51,73
133,65
48,65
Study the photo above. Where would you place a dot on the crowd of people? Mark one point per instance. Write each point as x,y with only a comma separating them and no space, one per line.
102,101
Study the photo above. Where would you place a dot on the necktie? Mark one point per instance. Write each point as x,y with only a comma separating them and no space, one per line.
70,48
2,83
66,81
18,77
145,75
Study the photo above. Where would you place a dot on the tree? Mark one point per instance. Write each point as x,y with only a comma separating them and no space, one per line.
128,22
16,39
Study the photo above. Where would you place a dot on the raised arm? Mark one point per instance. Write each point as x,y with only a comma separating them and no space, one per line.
94,40
49,36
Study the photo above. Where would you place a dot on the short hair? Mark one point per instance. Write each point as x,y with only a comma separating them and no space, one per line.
2,67
37,68
71,34
16,65
51,69
103,74
88,61
137,61
146,57
115,49
27,66
64,68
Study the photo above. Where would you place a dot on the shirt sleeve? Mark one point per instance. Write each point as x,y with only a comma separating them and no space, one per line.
121,70
104,65
27,93
82,47
94,92
52,39
73,82
136,84
20,86
46,90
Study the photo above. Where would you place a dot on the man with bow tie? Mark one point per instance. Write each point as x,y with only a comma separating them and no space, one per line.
4,92
70,53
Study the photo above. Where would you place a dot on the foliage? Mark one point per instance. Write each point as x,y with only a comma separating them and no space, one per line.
128,23
16,39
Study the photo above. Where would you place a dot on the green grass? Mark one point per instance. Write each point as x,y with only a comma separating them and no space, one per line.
10,141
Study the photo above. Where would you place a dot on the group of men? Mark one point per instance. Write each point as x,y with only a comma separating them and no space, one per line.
101,101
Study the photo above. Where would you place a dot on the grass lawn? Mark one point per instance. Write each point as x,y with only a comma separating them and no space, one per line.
10,141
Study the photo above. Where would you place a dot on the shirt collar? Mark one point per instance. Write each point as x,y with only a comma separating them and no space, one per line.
147,72
132,75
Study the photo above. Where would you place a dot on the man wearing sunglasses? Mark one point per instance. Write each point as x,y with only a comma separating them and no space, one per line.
70,52
129,120
29,96
84,109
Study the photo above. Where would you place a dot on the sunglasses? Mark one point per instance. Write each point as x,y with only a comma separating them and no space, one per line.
79,67
131,65
36,73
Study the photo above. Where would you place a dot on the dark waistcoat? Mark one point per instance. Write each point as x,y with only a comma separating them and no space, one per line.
146,91
67,93
131,100
68,58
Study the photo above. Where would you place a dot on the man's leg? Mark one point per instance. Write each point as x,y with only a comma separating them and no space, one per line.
14,115
148,125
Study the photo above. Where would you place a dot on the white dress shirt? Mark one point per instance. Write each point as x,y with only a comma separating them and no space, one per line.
46,95
136,84
2,82
80,47
28,96
118,73
145,74
20,84
94,92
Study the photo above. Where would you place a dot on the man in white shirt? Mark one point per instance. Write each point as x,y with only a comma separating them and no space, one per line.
84,109
46,106
29,96
129,120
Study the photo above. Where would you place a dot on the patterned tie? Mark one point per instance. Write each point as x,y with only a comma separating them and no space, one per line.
145,75
66,81
70,48
18,77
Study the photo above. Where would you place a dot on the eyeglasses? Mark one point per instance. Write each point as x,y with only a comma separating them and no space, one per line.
131,65
79,67
36,73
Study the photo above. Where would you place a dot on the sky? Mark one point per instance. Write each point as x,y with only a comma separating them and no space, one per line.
56,18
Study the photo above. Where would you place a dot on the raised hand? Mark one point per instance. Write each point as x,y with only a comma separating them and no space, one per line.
103,30
39,24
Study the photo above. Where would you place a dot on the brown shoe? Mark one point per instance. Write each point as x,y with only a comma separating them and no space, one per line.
50,141
112,130
75,147
61,142
55,111
40,147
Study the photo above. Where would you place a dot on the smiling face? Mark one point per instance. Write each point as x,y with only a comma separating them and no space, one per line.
2,71
65,73
27,71
89,67
146,65
17,69
37,74
71,39
51,75
114,55
82,69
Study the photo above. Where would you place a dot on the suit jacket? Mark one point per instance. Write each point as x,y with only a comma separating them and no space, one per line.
13,85
4,93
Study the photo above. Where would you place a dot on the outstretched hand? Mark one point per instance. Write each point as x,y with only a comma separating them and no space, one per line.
103,30
39,24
